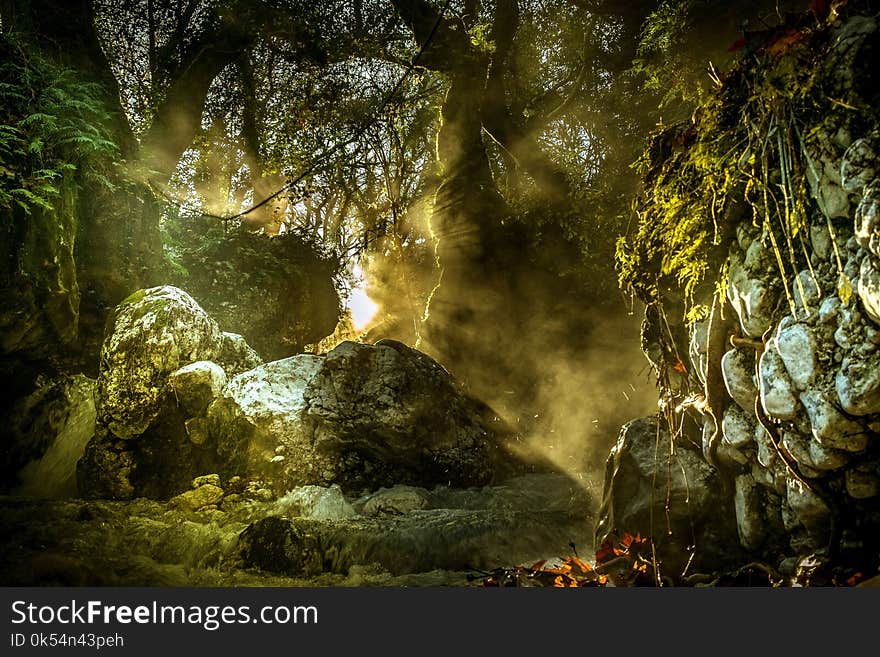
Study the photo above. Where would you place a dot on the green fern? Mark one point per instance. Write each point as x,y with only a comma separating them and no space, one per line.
52,130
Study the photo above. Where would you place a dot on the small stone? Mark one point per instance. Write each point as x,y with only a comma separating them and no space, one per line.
193,500
766,451
212,479
763,476
749,294
737,427
777,395
820,239
806,292
738,371
797,348
829,309
829,426
858,384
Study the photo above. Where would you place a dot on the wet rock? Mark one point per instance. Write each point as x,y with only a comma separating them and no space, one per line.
396,501
197,498
858,384
859,165
867,221
738,371
153,333
278,545
797,345
869,287
829,426
633,495
196,385
49,432
315,502
776,388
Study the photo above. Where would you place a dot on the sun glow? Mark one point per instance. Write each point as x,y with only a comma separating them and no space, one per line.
362,308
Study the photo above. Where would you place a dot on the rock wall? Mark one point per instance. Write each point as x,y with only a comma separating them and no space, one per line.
795,429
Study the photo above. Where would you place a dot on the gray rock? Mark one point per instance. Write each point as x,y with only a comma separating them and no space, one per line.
766,452
820,240
262,409
869,287
829,310
362,416
681,489
858,384
867,221
154,332
738,427
797,345
829,426
738,371
776,388
315,502
396,501
50,430
806,293
196,385
751,512
809,453
859,165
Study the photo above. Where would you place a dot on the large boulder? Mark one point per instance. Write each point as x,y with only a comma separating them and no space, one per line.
152,333
364,416
669,495
164,360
